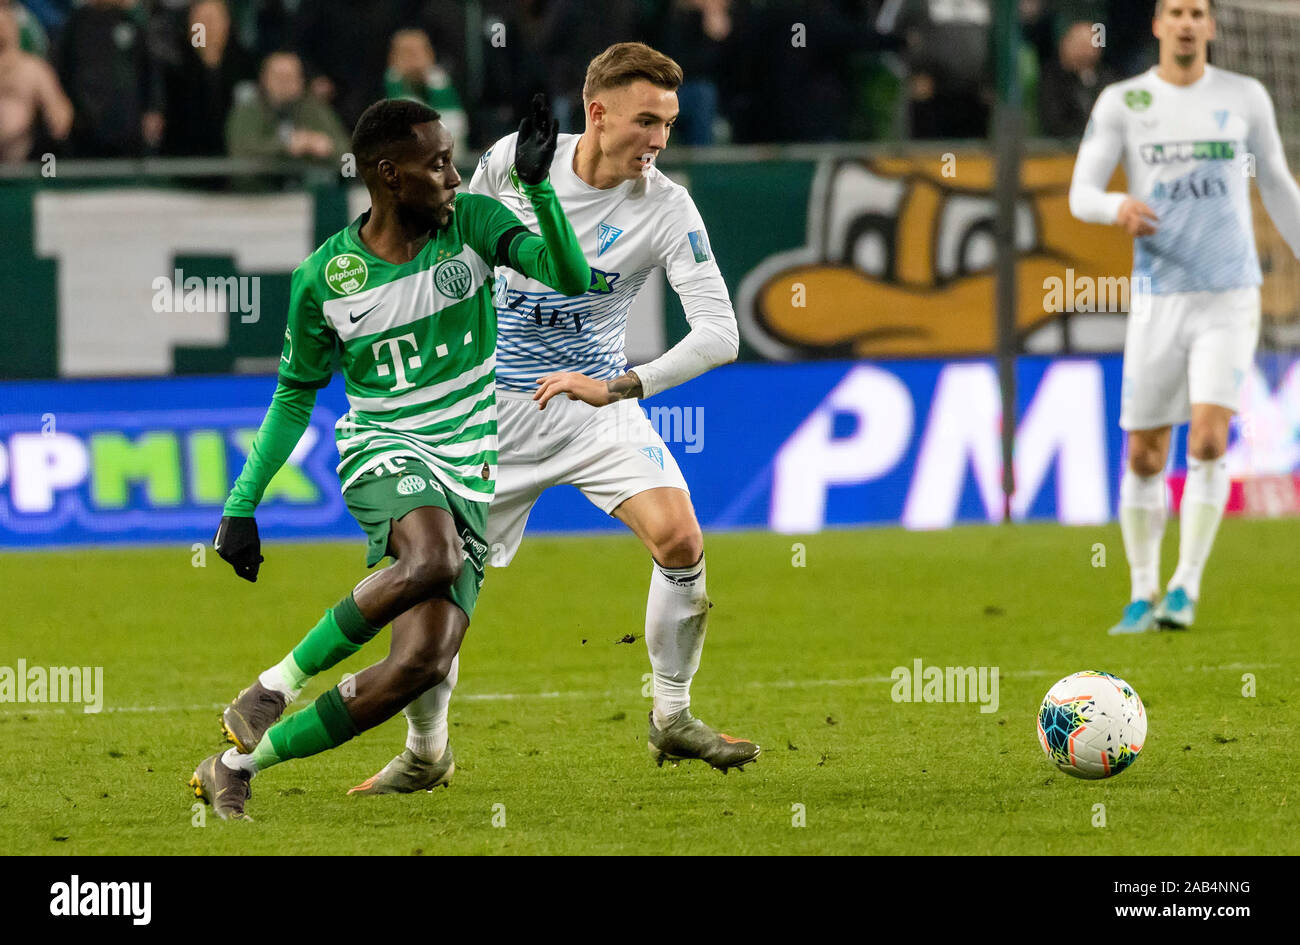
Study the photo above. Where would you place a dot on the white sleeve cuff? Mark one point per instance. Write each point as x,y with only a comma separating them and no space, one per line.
712,340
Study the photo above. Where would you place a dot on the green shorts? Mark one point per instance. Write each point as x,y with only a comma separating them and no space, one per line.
380,497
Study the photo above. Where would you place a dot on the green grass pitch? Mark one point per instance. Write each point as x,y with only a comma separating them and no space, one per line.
549,723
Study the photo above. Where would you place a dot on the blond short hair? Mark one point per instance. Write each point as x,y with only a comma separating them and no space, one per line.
625,63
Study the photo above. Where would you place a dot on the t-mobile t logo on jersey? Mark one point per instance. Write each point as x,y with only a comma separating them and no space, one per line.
394,346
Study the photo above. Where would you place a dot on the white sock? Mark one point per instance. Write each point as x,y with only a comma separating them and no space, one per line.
426,717
233,759
285,677
1204,497
676,617
1142,523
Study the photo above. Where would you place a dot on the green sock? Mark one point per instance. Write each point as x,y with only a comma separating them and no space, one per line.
292,675
322,725
264,754
340,633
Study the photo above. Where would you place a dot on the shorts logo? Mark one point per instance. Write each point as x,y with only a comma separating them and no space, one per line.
1138,99
346,274
654,454
410,485
476,549
452,279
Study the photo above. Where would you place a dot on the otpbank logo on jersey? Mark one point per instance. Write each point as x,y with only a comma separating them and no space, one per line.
1178,151
346,273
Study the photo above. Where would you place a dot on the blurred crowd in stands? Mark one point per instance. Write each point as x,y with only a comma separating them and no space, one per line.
128,78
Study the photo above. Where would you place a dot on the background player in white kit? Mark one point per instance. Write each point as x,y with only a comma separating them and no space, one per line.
1191,137
629,219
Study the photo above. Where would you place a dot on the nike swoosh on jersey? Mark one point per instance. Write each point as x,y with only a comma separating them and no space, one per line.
356,318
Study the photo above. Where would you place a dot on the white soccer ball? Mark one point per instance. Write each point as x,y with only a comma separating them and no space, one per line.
1092,725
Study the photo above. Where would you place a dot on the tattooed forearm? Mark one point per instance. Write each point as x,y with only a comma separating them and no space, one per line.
625,387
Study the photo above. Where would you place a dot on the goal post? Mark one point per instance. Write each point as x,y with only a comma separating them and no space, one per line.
1261,39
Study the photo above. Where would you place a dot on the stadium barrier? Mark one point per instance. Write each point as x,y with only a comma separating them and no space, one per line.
829,252
789,447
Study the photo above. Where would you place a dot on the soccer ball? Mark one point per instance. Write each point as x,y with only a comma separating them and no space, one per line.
1092,725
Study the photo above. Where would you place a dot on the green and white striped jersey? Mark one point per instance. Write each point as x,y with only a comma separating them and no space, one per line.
416,344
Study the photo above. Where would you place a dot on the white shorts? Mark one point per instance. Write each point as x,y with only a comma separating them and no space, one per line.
1187,348
611,453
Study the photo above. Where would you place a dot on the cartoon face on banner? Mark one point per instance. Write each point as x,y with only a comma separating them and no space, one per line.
900,263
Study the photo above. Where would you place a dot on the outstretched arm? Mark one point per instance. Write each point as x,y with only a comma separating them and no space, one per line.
283,426
237,541
554,258
305,367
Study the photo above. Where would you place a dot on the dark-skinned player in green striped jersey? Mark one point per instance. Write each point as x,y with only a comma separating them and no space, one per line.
403,298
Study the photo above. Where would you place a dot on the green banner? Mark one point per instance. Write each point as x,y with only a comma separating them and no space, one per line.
828,253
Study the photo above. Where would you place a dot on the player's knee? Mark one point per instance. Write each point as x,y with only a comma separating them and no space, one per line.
436,670
431,574
679,546
1206,443
1145,459
419,671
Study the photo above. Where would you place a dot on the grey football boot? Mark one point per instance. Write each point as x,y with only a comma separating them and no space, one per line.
408,773
687,737
250,714
225,788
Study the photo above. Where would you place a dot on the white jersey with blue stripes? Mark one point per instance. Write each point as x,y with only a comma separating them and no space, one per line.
625,232
1190,153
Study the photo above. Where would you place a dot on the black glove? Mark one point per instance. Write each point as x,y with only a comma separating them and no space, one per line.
536,143
238,544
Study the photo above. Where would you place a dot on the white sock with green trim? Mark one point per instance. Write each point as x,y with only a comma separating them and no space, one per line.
285,677
1142,523
1204,497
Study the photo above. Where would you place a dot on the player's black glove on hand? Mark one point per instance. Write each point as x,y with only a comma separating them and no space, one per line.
238,544
536,143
